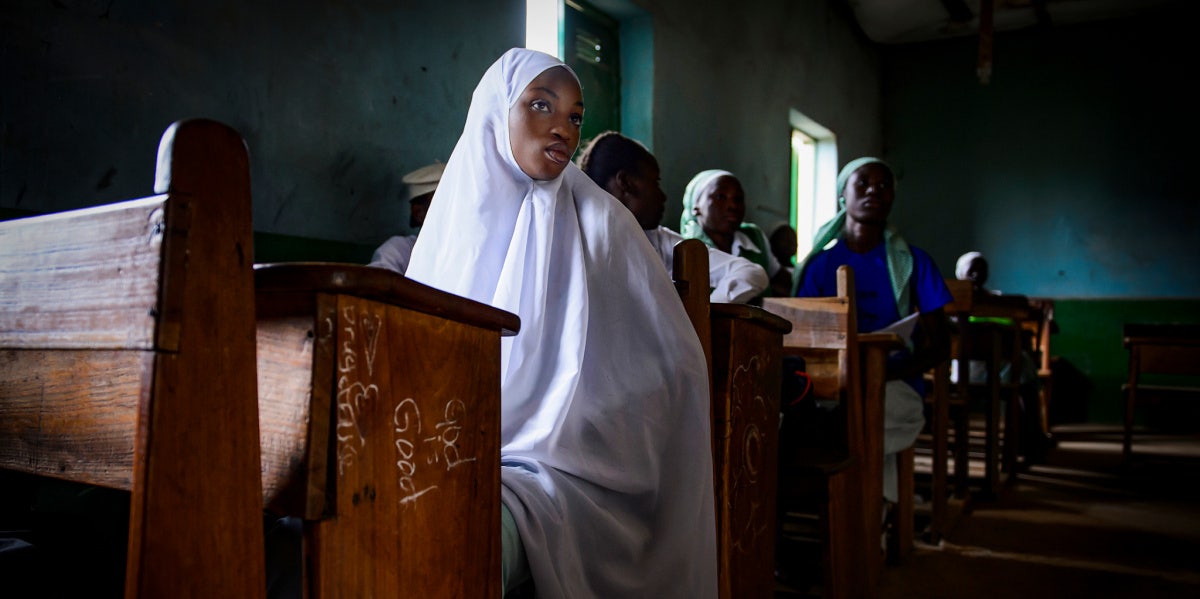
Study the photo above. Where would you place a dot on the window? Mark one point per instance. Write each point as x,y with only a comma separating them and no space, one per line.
814,179
543,23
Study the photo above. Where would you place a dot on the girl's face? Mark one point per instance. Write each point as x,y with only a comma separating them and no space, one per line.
645,196
544,123
721,207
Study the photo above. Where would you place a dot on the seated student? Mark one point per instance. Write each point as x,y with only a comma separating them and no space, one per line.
395,252
892,279
606,463
973,266
714,208
628,171
783,247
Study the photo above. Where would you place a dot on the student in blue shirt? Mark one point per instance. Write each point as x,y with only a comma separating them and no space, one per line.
892,280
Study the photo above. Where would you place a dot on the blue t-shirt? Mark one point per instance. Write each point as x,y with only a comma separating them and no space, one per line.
875,302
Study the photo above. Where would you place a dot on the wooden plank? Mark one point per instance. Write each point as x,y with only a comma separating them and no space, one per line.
690,270
285,389
71,414
382,285
82,279
196,506
1169,358
817,322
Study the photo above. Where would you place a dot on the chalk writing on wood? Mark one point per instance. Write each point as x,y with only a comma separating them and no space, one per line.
445,442
406,422
354,396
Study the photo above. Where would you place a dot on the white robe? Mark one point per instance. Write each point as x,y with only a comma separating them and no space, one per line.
606,463
394,253
732,279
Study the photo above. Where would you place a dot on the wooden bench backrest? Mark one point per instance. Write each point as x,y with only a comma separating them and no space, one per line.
825,333
690,272
127,361
1163,350
380,405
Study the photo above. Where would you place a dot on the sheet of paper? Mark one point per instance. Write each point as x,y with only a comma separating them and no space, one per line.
903,327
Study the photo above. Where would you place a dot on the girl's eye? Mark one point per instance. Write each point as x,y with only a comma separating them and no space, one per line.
540,105
577,120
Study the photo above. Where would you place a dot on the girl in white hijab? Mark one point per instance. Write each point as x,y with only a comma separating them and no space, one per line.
606,467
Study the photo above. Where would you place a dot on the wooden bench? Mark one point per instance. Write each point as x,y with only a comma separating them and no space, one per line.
127,361
849,368
380,407
1164,360
743,345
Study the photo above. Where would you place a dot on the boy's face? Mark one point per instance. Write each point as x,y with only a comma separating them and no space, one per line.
544,123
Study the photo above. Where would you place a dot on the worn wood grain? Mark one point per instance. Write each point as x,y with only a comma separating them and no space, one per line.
127,360
72,414
82,279
747,370
415,455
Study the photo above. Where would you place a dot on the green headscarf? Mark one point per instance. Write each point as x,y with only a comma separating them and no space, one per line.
899,256
690,228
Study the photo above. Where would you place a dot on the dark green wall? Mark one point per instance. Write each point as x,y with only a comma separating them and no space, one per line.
336,100
1093,362
1071,171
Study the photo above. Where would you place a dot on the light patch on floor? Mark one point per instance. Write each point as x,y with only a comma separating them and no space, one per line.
1184,577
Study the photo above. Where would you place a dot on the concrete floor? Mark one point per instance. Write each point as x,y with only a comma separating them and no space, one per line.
1081,524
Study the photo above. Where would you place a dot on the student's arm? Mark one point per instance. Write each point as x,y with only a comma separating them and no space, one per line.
931,346
734,279
930,295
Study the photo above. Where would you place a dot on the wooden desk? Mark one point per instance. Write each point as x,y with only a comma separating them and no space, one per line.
379,400
747,370
1166,350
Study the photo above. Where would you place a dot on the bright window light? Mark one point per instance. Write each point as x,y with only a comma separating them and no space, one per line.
543,20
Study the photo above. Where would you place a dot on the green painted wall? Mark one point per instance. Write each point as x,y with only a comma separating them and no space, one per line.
337,101
1071,170
1089,345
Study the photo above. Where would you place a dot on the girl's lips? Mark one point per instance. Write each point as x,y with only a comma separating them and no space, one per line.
557,153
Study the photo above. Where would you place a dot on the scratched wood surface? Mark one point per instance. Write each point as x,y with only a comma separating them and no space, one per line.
128,361
72,415
82,279
415,463
747,367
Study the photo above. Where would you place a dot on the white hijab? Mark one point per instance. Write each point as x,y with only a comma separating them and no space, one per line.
605,442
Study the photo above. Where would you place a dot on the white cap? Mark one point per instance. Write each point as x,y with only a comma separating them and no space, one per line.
424,179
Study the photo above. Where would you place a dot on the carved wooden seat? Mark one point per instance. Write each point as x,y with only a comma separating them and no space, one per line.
127,362
379,400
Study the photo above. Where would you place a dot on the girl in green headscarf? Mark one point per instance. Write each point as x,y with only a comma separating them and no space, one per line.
714,208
